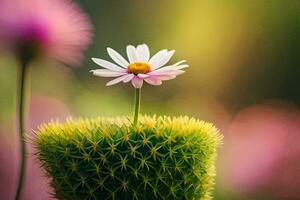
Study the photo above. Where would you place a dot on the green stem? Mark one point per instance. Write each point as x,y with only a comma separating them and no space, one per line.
137,105
21,119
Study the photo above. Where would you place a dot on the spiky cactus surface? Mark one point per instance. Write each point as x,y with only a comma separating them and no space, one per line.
108,158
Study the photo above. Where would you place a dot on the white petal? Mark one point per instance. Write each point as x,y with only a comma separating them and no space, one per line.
117,57
159,62
132,54
130,76
181,66
143,75
180,62
108,65
165,60
153,81
155,60
137,82
143,53
107,73
117,80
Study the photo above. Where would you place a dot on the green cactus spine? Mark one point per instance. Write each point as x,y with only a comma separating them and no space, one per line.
108,158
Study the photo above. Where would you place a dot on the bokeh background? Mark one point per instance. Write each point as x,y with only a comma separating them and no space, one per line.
244,76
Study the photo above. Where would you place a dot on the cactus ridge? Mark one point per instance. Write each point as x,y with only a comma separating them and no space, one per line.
108,158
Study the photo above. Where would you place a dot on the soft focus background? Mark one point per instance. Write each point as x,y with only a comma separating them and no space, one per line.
244,76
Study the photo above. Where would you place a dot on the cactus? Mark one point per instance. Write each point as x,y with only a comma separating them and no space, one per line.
109,158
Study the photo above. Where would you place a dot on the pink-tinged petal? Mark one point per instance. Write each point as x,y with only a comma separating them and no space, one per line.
143,75
108,65
129,78
170,68
137,82
132,54
164,60
165,77
170,72
143,53
177,72
117,80
107,73
155,60
117,58
153,80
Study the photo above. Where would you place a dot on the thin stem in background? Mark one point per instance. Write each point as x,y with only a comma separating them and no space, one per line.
21,121
137,105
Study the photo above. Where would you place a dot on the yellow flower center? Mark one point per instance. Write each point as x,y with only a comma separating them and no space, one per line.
138,68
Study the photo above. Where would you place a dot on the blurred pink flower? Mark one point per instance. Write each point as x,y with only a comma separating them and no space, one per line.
261,151
58,29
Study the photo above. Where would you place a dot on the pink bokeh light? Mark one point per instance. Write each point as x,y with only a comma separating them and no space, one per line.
261,151
42,109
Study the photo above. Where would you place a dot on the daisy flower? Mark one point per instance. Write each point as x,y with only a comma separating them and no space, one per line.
31,29
139,67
